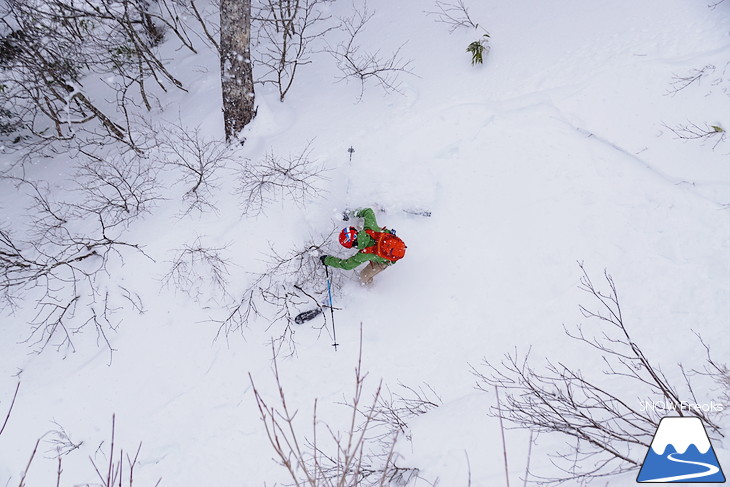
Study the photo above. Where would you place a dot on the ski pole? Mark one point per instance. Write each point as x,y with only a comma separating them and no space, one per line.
332,310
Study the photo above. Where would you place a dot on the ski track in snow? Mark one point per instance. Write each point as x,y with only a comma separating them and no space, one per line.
658,173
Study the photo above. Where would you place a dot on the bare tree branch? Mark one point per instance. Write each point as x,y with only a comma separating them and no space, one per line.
210,36
59,45
197,268
286,36
61,442
281,291
692,131
60,265
10,409
277,179
348,456
680,82
604,416
197,160
365,66
454,15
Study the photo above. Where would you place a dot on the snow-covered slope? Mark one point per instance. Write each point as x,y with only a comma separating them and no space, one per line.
556,150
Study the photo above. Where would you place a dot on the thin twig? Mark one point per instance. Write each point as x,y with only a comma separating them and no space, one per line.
504,442
10,410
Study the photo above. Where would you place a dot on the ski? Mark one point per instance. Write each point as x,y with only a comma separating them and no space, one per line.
417,212
305,316
347,214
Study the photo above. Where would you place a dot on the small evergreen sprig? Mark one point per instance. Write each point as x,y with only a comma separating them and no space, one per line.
477,49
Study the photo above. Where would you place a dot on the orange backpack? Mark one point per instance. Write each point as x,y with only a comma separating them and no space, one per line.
387,246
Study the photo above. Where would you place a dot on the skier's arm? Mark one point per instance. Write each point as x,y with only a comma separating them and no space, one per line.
352,262
369,216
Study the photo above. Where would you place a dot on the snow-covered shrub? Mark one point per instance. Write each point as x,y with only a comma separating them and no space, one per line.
120,187
198,161
287,32
602,414
366,66
79,71
58,259
275,179
358,454
197,269
394,410
111,469
292,282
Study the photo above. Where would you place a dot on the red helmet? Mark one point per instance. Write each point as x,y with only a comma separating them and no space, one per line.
348,237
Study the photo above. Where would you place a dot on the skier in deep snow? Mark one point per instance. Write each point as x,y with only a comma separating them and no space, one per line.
377,246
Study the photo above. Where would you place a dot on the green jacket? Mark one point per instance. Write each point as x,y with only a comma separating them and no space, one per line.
363,241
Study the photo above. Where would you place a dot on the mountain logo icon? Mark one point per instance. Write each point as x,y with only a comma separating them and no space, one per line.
681,452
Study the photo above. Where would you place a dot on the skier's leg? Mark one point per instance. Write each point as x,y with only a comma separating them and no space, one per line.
370,271
367,274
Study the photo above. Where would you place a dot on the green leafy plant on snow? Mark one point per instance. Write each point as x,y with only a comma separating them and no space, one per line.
478,48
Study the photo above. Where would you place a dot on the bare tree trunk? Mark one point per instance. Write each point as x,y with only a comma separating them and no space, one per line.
236,68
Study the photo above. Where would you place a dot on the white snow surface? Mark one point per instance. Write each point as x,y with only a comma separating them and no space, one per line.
681,433
554,151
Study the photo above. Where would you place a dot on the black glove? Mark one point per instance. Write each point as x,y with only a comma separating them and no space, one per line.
322,257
